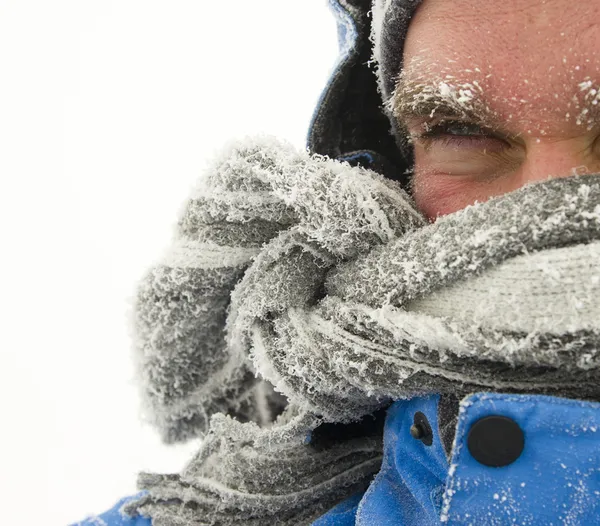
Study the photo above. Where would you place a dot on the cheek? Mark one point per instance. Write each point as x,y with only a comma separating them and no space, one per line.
434,198
437,195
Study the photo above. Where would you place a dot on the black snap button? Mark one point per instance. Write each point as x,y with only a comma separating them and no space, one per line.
421,430
495,441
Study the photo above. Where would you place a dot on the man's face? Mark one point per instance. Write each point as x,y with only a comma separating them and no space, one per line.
497,94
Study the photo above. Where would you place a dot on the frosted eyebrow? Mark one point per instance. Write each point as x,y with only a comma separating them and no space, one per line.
425,100
442,99
589,111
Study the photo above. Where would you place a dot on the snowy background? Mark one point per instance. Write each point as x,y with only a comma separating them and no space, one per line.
108,111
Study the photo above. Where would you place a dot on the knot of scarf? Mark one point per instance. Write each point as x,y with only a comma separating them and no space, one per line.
299,280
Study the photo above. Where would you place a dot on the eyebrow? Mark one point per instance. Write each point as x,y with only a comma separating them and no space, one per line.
425,99
442,99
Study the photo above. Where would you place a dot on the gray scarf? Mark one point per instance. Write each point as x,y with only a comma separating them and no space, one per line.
323,280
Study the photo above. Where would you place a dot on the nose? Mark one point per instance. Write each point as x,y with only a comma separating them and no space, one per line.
551,158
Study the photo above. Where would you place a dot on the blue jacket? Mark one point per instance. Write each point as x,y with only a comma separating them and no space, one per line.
549,449
552,476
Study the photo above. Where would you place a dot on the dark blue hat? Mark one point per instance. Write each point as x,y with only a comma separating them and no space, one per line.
351,121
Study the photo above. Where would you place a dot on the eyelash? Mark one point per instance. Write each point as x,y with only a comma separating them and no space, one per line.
441,134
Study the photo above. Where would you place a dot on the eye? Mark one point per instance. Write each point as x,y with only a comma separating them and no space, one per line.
456,134
456,147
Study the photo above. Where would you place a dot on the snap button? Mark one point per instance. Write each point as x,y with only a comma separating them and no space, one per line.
421,430
495,441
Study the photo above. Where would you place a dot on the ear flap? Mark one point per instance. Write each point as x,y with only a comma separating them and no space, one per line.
391,19
350,121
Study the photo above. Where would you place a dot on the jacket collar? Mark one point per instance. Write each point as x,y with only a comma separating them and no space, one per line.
552,477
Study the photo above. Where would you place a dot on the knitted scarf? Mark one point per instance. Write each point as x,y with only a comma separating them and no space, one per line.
298,275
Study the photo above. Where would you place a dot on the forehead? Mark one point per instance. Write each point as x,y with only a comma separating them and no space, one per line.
533,59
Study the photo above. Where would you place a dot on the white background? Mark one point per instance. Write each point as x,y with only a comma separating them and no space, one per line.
108,111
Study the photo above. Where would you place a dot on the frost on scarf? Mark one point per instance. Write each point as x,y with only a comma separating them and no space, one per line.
323,280
306,213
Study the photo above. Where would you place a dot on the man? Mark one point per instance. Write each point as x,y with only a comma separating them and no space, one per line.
353,301
496,95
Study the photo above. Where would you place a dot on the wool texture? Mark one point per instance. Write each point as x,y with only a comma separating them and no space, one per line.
297,279
390,21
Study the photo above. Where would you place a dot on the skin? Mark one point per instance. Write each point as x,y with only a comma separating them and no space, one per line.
531,67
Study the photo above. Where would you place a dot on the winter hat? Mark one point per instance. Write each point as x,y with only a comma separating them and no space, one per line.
391,19
351,122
